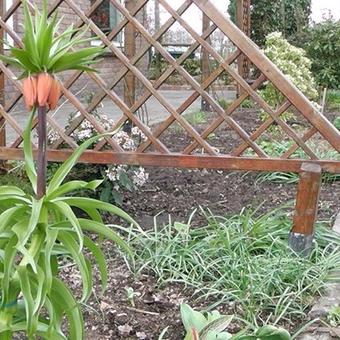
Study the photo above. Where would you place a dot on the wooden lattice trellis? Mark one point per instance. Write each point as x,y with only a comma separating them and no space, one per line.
154,151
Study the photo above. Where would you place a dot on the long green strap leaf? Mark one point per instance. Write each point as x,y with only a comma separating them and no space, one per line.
100,260
63,298
66,210
72,247
84,202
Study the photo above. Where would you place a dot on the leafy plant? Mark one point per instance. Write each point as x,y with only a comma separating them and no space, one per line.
36,229
292,61
130,295
211,326
242,259
333,316
267,16
323,48
208,326
34,233
46,51
337,123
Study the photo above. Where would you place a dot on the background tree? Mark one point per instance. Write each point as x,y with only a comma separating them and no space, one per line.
287,16
323,48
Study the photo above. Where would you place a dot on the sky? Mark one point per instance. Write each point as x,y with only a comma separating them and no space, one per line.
319,8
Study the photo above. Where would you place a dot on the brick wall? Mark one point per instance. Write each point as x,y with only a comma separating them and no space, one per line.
107,68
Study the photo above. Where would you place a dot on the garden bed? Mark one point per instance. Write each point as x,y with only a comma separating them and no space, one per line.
176,193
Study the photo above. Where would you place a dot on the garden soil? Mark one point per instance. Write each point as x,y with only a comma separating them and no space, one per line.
176,193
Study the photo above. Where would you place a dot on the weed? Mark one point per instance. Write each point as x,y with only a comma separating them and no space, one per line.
242,259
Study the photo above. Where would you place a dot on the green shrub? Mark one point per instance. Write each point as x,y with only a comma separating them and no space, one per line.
323,48
292,61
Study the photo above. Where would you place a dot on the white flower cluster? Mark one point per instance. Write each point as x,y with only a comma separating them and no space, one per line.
53,136
292,61
140,177
86,129
137,132
113,172
137,177
125,141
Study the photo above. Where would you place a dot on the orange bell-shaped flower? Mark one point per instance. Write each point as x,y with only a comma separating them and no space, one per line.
44,85
54,94
29,90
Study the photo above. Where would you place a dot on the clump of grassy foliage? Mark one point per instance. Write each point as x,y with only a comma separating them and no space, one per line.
244,260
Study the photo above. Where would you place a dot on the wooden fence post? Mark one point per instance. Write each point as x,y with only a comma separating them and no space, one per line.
243,23
130,51
205,63
302,233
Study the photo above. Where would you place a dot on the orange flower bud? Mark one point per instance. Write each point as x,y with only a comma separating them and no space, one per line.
29,90
54,94
43,88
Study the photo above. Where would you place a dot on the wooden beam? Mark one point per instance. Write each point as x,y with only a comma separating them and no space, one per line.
205,62
130,51
177,160
301,236
307,199
243,23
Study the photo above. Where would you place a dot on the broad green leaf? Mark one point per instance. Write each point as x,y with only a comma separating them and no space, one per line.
10,254
29,163
192,319
74,186
45,42
11,190
92,203
63,299
33,221
24,58
103,230
51,236
70,216
42,330
29,302
217,325
30,39
9,215
11,61
66,167
72,247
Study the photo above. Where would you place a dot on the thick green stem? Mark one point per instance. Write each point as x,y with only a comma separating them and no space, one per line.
42,145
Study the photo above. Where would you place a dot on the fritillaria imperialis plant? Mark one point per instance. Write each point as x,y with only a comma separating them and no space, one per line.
36,230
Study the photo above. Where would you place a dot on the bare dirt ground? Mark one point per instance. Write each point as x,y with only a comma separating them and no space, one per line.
177,192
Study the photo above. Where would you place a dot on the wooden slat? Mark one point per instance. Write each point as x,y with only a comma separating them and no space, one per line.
307,199
176,160
310,133
230,109
292,93
141,76
192,82
289,131
100,96
164,125
264,126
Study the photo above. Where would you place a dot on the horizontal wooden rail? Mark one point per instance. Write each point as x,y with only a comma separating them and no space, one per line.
177,160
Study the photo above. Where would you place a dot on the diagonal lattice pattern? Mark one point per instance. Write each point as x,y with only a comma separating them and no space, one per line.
153,150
